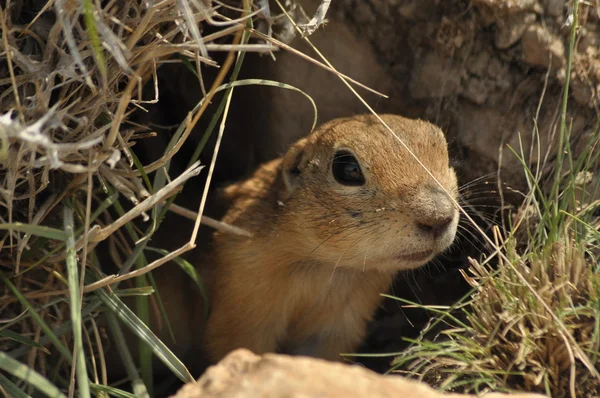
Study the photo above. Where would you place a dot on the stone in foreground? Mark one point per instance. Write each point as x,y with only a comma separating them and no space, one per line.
243,374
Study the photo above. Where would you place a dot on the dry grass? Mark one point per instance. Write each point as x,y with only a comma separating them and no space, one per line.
71,76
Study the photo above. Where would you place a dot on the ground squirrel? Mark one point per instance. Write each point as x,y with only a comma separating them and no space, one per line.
332,221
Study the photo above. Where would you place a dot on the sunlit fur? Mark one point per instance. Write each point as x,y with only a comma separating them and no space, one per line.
310,278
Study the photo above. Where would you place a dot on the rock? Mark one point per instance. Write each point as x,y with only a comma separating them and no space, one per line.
539,45
479,64
408,10
510,29
243,374
476,90
582,92
589,41
554,8
434,77
511,6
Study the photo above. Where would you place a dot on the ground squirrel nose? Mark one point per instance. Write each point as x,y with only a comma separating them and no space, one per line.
435,225
437,212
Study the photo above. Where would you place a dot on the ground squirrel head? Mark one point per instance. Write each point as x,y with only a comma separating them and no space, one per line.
353,196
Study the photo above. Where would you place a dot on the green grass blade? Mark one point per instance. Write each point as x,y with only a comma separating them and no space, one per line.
186,62
37,230
75,304
161,211
3,146
92,31
114,392
6,323
9,334
239,83
11,388
145,353
108,202
592,230
28,375
38,319
535,186
563,124
272,83
134,257
189,269
134,291
234,76
139,388
145,334
64,328
137,257
140,168
161,307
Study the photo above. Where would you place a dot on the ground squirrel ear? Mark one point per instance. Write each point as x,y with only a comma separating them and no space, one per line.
292,166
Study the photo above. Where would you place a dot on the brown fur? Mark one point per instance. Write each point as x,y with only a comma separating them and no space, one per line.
310,278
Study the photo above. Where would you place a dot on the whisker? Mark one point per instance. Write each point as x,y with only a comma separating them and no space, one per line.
336,233
473,242
479,180
439,267
340,258
366,254
472,234
416,284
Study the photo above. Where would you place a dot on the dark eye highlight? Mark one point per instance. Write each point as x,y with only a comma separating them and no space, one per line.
346,169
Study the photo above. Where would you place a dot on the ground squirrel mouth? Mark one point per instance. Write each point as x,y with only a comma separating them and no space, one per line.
418,256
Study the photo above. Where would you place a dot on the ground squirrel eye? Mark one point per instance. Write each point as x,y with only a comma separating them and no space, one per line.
346,169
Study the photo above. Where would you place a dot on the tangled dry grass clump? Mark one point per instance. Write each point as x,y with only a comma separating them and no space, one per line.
507,339
532,323
71,76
